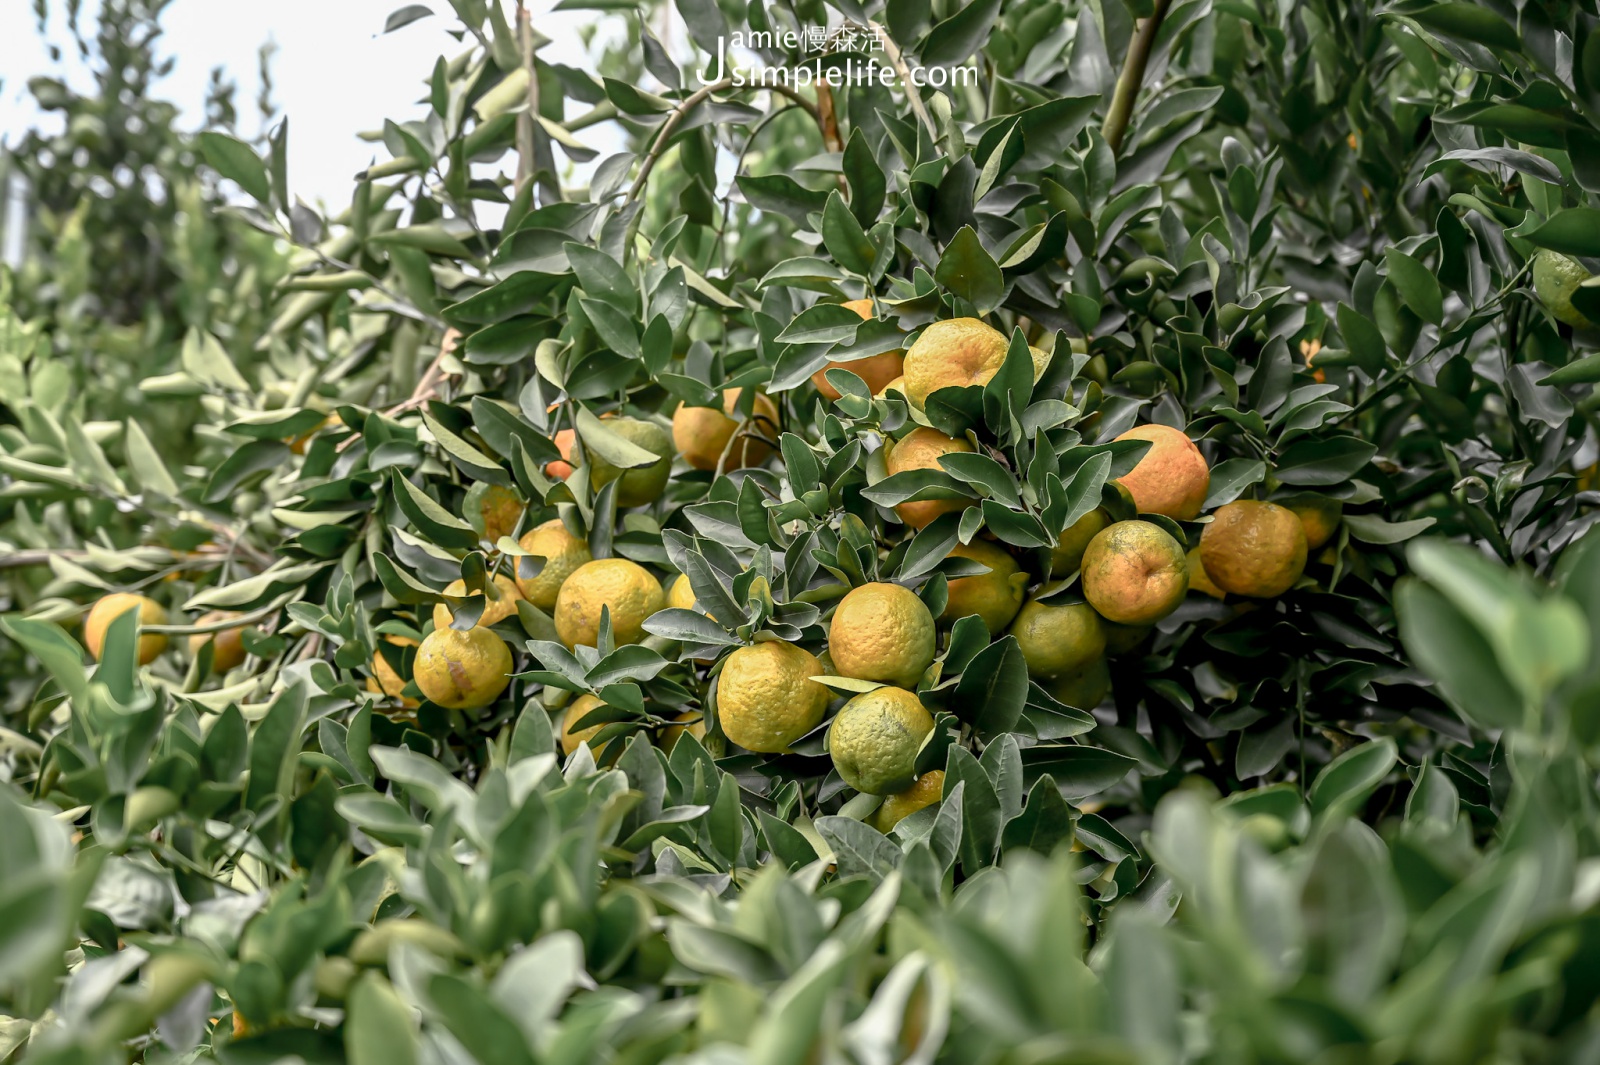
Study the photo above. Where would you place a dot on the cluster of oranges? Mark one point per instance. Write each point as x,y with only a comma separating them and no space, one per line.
765,697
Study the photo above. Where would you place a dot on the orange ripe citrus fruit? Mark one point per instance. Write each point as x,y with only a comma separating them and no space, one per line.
1056,640
385,679
625,588
562,552
927,790
1172,478
1134,573
703,435
227,646
876,370
561,469
462,670
571,737
920,450
766,698
1254,548
494,610
995,596
882,632
874,740
110,607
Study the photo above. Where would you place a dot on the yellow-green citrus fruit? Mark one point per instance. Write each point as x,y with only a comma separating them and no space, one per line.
703,434
1120,639
1067,555
995,596
1084,688
572,737
766,698
1556,278
680,594
493,510
227,646
927,790
641,486
882,632
875,738
1199,580
494,610
1055,640
462,670
1134,573
953,353
113,606
625,588
876,370
690,722
1172,478
920,450
562,552
1254,548
1319,516
385,679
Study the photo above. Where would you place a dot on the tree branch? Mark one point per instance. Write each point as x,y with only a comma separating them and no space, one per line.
1132,79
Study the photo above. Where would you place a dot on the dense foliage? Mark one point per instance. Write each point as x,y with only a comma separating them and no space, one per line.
1343,247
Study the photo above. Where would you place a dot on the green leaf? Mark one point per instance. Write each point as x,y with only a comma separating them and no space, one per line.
1417,286
867,183
484,1029
236,161
146,462
993,688
611,446
823,323
1327,461
431,519
781,194
859,849
1045,822
950,42
1363,338
59,653
1081,771
1575,231
1470,22
970,272
1346,782
844,238
1370,529
1447,647
378,1028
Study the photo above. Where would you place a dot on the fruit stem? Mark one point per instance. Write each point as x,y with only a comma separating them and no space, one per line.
1128,85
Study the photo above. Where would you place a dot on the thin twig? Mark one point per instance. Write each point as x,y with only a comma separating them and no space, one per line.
1132,79
526,120
427,386
658,146
899,61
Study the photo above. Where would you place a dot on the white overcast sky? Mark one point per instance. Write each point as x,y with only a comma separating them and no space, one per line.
335,73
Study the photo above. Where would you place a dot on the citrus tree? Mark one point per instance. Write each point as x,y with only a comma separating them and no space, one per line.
828,587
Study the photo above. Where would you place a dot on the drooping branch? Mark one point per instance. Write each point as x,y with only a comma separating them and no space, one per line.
1132,77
